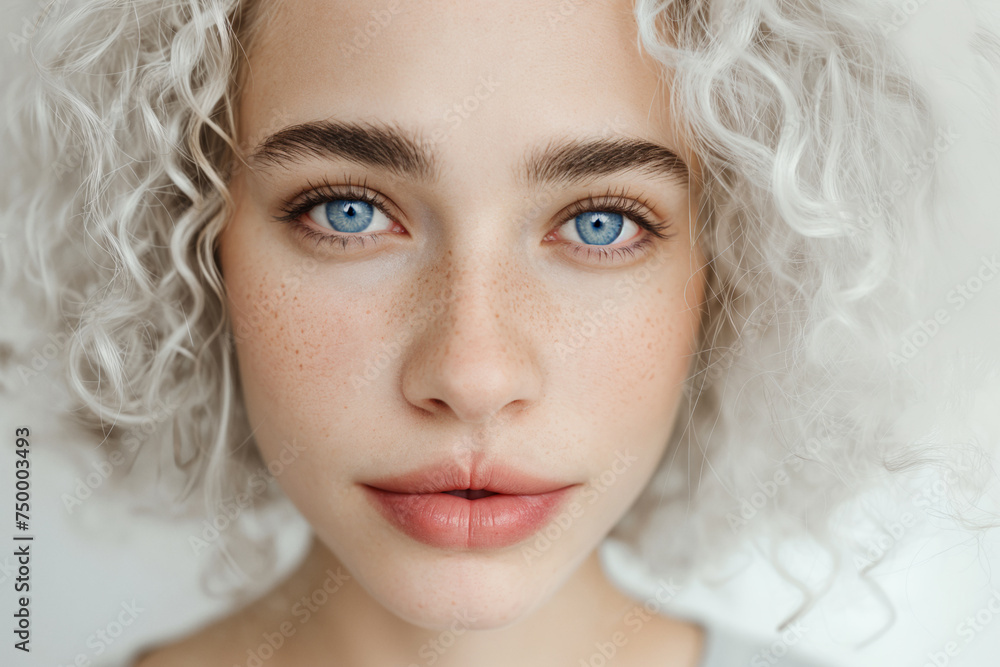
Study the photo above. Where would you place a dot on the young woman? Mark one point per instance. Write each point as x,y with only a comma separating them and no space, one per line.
479,284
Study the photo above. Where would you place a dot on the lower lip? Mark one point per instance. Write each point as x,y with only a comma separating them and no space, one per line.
451,522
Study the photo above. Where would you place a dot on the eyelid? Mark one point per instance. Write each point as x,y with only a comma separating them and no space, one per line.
634,208
316,194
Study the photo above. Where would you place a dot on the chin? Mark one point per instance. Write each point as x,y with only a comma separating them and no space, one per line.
443,590
472,591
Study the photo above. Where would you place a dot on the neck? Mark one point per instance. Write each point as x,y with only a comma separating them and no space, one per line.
334,616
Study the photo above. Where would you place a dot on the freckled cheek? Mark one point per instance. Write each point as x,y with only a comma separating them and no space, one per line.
297,358
630,376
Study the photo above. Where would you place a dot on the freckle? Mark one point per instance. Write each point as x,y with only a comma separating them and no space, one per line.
296,351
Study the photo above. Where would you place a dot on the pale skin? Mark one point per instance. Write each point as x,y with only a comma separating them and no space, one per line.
440,338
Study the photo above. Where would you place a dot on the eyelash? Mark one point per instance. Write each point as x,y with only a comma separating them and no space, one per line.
294,209
611,201
621,203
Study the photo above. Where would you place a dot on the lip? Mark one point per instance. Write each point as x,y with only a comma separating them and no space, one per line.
419,505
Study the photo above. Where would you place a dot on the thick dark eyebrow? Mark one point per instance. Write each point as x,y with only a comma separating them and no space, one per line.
376,145
571,160
405,154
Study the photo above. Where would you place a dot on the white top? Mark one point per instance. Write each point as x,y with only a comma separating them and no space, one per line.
723,648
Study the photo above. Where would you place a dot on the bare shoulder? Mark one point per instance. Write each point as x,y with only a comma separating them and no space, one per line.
209,646
197,650
662,641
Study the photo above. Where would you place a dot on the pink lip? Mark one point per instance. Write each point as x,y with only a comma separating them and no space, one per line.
418,504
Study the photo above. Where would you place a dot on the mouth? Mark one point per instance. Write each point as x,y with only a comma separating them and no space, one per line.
453,507
470,494
468,482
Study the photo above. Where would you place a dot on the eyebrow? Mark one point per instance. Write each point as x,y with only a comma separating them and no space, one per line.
571,160
381,146
406,154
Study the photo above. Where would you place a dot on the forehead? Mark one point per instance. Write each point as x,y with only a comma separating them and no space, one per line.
469,75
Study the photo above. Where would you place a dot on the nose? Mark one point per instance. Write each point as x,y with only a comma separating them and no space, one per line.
475,358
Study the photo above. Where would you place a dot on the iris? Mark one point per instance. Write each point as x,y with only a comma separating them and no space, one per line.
349,215
599,227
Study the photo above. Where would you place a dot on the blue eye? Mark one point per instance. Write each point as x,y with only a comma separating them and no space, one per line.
599,227
349,216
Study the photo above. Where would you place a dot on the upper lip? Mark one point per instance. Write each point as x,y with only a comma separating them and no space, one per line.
454,476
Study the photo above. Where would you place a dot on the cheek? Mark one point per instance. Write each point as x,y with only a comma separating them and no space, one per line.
295,342
629,365
626,378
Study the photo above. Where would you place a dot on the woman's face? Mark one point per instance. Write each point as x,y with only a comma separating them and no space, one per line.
462,294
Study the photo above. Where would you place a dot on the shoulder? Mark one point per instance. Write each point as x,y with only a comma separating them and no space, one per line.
221,641
208,647
728,648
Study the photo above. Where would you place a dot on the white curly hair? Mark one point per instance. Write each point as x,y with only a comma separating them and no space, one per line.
816,218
